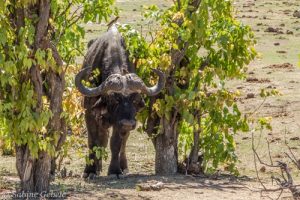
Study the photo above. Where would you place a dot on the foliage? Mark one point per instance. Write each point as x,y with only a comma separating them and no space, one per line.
216,49
74,111
20,119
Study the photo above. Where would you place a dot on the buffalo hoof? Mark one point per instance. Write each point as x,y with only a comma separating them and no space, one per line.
125,171
113,176
89,176
120,176
85,175
92,176
114,170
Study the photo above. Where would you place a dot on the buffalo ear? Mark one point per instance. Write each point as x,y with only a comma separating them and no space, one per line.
98,103
137,100
142,104
100,106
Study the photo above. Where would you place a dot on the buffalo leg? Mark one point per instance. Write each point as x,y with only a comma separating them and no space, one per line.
115,147
123,159
103,137
97,137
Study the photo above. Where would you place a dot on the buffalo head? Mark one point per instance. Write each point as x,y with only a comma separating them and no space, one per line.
120,96
117,83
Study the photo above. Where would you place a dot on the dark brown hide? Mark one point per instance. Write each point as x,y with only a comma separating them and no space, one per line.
115,107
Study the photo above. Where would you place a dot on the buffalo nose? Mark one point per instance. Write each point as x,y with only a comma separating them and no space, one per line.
128,124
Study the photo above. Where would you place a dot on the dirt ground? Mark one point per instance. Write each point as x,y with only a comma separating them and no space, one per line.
278,44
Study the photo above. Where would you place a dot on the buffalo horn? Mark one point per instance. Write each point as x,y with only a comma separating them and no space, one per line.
113,83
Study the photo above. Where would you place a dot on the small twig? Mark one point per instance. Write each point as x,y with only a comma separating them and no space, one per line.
284,182
260,161
292,157
269,153
279,195
70,23
174,116
293,161
75,20
64,11
255,163
73,14
257,108
70,57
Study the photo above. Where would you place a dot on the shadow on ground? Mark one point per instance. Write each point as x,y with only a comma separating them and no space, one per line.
108,187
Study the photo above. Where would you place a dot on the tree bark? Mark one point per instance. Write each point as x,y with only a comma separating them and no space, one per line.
166,155
194,162
56,124
35,172
165,141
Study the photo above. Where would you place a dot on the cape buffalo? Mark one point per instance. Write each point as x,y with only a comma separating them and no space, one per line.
115,100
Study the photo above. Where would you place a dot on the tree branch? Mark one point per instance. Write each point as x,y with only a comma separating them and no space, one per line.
292,157
284,182
64,11
41,28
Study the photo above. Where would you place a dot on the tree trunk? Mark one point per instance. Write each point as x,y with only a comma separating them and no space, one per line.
34,173
193,157
165,140
166,155
194,162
